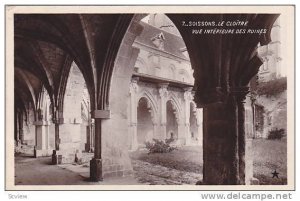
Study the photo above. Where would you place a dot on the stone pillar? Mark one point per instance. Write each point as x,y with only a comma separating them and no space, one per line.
92,135
249,179
155,129
70,140
21,132
42,147
163,94
88,138
133,113
240,96
182,136
224,140
17,128
187,96
57,140
56,156
96,162
199,117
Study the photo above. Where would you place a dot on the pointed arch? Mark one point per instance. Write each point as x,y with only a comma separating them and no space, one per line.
151,104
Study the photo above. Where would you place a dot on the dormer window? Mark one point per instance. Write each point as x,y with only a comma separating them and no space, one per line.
158,41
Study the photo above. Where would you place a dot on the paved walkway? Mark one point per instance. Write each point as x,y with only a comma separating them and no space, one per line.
39,171
33,171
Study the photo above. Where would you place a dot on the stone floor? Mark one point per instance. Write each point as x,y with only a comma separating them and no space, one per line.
33,171
39,171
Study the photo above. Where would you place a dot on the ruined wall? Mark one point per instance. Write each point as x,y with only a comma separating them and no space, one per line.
275,113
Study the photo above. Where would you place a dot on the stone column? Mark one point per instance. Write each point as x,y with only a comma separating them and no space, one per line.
88,137
21,132
155,129
133,112
187,109
163,94
199,117
17,127
240,94
92,135
42,147
57,120
96,162
224,140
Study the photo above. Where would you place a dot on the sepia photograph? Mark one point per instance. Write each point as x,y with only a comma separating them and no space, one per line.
150,97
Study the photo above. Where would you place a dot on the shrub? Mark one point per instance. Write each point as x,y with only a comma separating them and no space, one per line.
159,146
272,87
276,134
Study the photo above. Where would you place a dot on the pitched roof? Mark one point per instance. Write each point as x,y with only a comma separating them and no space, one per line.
172,43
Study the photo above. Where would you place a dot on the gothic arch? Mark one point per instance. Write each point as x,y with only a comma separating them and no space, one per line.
176,105
176,109
151,104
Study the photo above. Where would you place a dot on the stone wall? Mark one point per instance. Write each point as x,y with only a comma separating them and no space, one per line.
274,115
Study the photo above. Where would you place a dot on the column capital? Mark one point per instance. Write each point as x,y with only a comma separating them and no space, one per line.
239,92
134,85
163,85
163,89
59,120
187,95
188,89
217,94
101,114
209,96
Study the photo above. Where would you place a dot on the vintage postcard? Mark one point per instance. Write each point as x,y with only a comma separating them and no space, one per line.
150,97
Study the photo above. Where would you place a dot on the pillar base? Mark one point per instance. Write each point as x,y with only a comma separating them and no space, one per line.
96,170
254,181
56,158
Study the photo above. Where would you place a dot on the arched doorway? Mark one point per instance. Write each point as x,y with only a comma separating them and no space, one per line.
144,122
73,131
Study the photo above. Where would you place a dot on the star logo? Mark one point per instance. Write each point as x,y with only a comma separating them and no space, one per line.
275,174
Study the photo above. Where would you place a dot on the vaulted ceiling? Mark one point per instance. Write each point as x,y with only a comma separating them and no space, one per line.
46,46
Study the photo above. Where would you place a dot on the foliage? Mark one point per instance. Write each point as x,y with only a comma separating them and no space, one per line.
272,87
276,134
159,146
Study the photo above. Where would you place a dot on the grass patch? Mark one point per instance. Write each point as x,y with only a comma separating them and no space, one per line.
187,159
270,155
